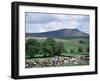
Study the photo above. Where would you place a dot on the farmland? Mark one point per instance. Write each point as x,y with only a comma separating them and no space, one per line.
76,52
70,44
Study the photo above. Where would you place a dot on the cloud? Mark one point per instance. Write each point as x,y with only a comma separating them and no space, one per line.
84,27
39,18
37,22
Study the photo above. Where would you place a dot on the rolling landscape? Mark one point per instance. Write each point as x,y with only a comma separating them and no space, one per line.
71,45
62,34
56,40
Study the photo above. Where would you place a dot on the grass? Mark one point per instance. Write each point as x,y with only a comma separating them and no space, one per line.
71,44
74,43
74,54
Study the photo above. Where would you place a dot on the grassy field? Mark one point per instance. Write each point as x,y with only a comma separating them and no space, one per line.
70,44
74,44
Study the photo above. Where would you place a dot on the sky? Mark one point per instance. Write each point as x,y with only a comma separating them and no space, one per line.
43,22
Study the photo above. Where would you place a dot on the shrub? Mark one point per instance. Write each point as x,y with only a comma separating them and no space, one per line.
80,49
81,41
71,51
87,49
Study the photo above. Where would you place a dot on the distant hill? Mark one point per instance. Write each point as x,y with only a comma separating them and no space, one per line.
62,33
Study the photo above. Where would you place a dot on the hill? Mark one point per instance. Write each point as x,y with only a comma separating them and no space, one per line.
62,33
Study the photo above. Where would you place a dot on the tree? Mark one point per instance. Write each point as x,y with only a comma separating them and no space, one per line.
52,43
81,41
32,47
47,49
71,51
54,47
66,51
60,48
80,49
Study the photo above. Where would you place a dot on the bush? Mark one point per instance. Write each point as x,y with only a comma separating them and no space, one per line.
87,49
80,49
71,51
66,51
81,41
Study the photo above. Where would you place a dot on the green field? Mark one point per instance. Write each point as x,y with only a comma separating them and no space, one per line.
71,45
53,56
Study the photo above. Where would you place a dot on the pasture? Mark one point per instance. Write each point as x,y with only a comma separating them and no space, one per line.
78,47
